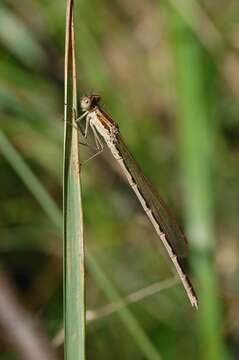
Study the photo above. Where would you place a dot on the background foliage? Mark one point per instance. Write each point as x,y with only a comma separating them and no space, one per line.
168,73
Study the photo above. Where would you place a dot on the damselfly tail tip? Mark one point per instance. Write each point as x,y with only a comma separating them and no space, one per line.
194,302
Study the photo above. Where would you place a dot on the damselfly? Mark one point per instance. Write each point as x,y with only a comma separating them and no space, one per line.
167,229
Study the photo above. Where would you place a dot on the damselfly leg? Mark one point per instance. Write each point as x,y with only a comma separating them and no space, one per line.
98,143
99,146
77,127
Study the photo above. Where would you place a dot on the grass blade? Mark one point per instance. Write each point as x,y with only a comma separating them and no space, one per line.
74,274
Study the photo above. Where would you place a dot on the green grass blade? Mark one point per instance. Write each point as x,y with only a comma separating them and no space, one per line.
74,272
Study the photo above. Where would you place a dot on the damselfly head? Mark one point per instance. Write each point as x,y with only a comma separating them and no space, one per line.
87,102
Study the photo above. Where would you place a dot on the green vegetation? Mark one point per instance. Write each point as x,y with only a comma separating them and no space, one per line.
167,73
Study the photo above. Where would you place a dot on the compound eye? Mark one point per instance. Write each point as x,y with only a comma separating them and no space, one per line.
85,103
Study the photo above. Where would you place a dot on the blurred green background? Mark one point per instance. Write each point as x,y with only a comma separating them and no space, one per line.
168,73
